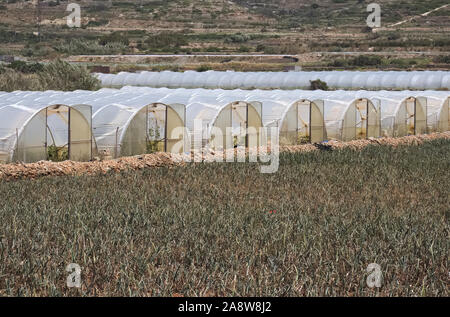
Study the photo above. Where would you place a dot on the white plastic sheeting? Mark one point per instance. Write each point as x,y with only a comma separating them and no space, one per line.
371,80
121,118
28,128
114,114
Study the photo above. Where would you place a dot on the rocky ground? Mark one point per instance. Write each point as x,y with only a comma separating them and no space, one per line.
15,171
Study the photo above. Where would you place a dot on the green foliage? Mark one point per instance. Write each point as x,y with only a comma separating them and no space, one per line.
26,68
85,47
57,154
114,37
57,75
61,75
318,85
154,142
165,41
97,23
206,230
203,68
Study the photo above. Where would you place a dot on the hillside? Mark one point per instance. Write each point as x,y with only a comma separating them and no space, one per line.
303,28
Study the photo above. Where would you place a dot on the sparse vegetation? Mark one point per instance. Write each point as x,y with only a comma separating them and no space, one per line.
336,212
239,26
57,75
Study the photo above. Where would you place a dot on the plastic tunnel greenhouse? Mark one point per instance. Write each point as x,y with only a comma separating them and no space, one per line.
137,120
123,123
371,80
297,119
344,116
31,132
438,117
401,114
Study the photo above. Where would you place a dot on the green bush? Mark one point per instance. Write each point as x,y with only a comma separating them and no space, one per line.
26,68
57,154
57,75
61,75
318,85
83,47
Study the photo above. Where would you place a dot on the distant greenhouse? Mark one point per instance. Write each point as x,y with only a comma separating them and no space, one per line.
369,80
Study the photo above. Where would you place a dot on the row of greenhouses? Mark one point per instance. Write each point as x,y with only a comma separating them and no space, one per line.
111,123
368,80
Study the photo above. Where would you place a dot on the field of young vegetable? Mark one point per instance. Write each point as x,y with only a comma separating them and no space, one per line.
310,229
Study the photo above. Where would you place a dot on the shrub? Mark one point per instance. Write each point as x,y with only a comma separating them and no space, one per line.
318,85
11,80
26,68
203,68
61,75
57,75
367,60
82,47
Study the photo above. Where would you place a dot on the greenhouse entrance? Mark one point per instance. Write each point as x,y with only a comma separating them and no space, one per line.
244,119
55,133
152,129
162,123
69,135
239,123
310,124
412,117
303,123
361,121
362,110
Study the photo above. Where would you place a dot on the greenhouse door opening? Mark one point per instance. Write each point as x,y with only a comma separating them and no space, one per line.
68,133
57,122
239,123
245,122
164,124
362,110
361,121
303,123
414,117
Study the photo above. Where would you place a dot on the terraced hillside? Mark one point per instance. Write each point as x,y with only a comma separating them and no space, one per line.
306,28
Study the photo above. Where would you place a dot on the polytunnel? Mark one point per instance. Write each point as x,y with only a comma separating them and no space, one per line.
298,120
348,118
438,111
373,80
124,122
401,114
239,122
437,102
34,132
130,122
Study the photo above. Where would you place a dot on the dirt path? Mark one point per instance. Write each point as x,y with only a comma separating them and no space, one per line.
45,168
422,15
